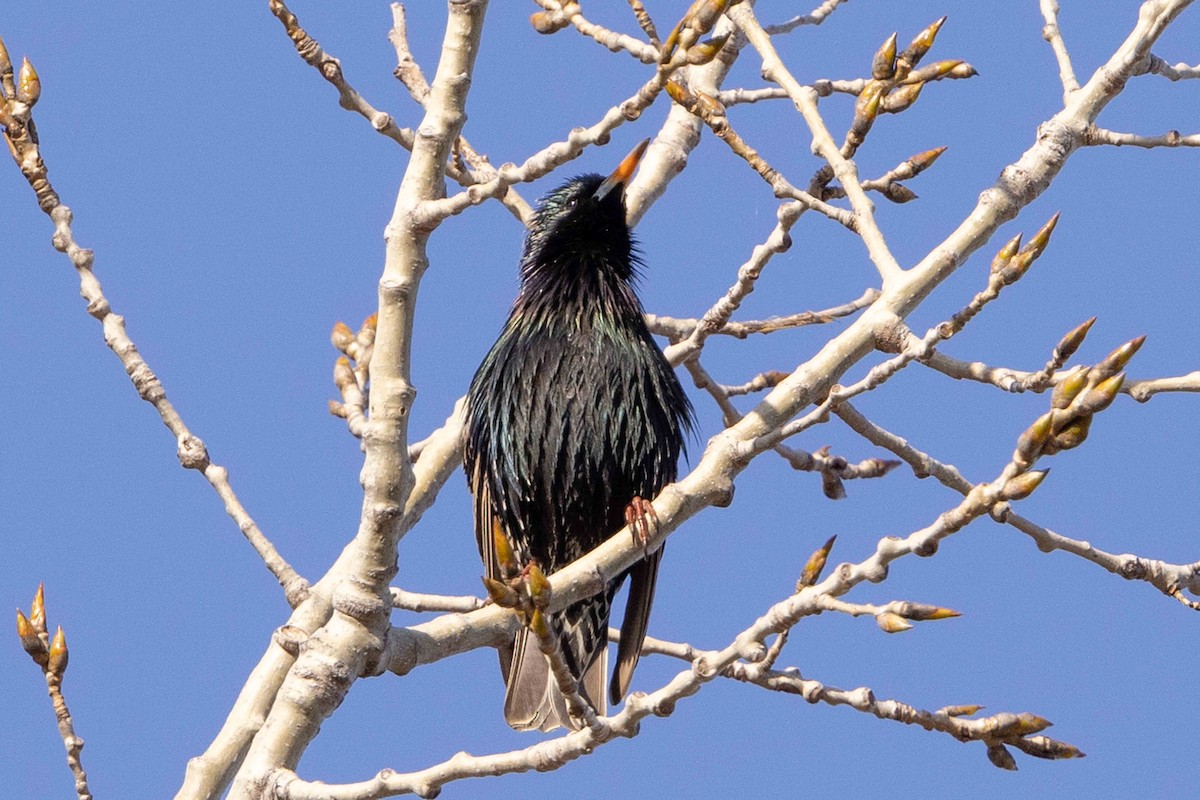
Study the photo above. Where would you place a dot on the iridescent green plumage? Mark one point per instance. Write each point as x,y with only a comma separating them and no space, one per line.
573,414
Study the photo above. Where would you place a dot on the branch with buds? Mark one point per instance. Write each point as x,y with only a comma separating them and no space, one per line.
1170,579
17,100
352,380
746,658
340,628
51,655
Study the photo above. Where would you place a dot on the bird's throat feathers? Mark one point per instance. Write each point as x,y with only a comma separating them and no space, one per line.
580,285
580,260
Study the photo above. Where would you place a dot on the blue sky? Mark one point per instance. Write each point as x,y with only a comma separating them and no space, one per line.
237,213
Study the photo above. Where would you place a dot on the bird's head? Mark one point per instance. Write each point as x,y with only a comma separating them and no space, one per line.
583,222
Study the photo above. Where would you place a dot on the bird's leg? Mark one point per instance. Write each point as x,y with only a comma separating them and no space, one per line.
642,520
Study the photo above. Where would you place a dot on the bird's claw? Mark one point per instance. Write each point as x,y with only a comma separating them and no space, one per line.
642,520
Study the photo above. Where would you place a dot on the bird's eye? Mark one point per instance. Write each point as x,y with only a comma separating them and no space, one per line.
572,203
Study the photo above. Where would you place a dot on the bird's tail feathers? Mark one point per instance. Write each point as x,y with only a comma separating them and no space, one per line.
642,579
532,700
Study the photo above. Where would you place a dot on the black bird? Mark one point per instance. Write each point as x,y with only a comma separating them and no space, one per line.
573,416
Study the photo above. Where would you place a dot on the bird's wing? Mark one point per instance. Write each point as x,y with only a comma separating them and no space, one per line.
642,578
485,521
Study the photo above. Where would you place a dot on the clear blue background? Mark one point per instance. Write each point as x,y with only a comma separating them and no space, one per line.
237,213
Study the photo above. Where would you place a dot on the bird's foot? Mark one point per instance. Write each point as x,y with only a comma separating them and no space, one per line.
527,592
642,520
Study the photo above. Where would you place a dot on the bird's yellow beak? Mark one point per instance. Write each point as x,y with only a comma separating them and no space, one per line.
624,171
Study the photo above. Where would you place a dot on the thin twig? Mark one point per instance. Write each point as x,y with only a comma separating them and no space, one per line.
192,453
51,655
1017,381
1095,135
760,382
1004,728
825,87
675,328
1172,72
554,155
475,165
846,172
832,469
562,14
331,70
1052,34
888,184
814,17
551,646
417,601
644,21
351,381
705,107
717,317
1170,579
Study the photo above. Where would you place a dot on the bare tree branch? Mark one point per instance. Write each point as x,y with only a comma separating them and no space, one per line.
52,656
350,640
1004,727
340,627
16,117
680,328
1017,381
331,70
805,101
1175,72
717,317
559,15
1095,136
825,87
416,601
815,17
702,106
1053,35
1170,579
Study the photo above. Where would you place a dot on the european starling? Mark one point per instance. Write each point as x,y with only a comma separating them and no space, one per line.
573,418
